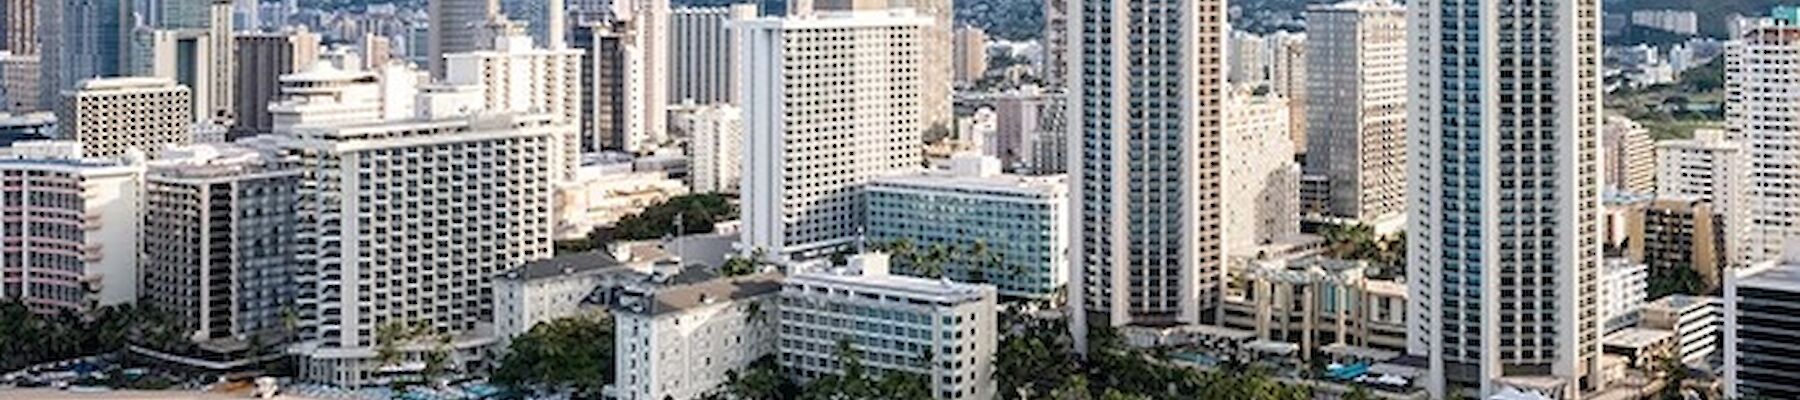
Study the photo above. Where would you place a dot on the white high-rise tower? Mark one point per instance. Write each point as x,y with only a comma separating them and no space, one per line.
1146,84
1504,256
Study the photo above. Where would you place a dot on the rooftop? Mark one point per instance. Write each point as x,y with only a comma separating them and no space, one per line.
1682,301
565,265
1637,338
683,297
1778,275
1041,185
125,83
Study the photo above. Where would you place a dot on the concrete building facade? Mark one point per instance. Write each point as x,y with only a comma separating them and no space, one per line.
704,56
218,241
806,157
1504,254
75,247
112,116
1356,91
1143,165
945,332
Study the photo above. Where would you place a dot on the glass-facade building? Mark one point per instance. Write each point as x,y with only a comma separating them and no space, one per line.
1004,230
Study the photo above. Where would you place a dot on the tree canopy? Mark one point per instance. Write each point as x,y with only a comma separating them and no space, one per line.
568,354
698,214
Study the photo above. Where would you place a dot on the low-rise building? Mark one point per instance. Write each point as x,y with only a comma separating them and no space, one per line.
1624,289
606,190
942,331
553,288
682,341
1007,230
1694,320
1315,302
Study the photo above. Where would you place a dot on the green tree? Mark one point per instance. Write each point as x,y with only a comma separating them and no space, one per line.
697,214
572,354
762,380
1676,280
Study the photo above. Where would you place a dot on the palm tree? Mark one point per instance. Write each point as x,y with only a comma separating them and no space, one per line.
933,262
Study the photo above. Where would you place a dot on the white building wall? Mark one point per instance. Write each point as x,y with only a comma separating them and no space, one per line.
802,164
1261,181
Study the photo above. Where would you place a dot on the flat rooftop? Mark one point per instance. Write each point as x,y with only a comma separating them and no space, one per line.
565,265
1637,338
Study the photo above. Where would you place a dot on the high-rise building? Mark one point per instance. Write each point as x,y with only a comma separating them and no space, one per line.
78,250
1695,321
1024,119
111,116
516,77
262,58
19,77
1144,164
189,41
716,133
1356,94
1010,231
456,27
482,206
969,56
1287,77
805,159
938,79
18,27
1759,337
1260,182
947,330
1681,232
1630,156
218,241
182,56
1624,289
1504,167
647,75
1247,59
1681,22
683,341
605,85
78,40
544,20
1706,166
704,54
1759,64
1056,43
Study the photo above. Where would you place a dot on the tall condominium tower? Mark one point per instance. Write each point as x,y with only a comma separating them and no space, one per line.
456,27
516,77
647,73
208,25
113,116
605,86
703,54
1504,244
816,130
1759,101
1630,156
1056,42
262,59
79,39
218,240
1146,82
182,56
1287,77
18,27
78,249
1356,94
935,64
